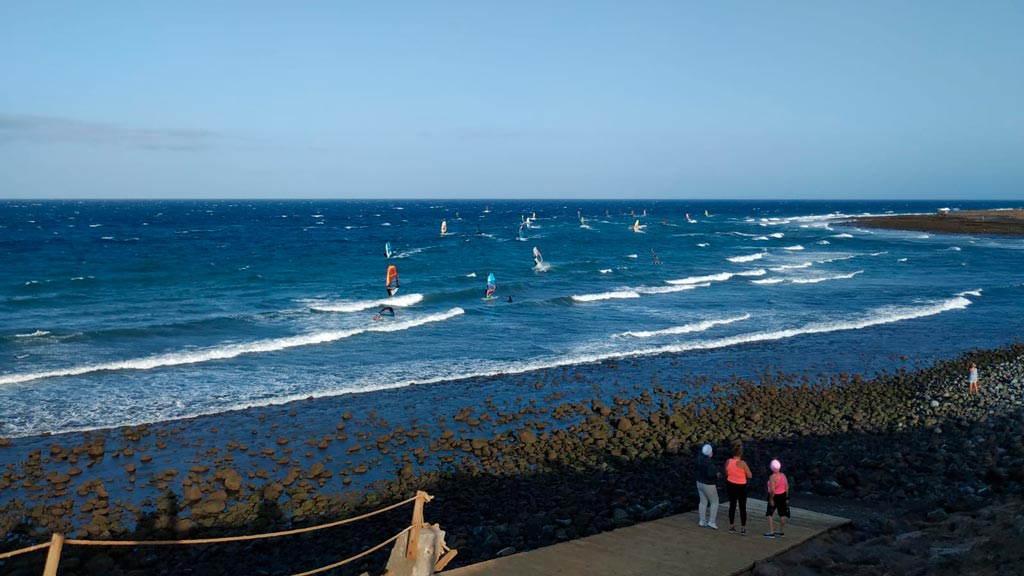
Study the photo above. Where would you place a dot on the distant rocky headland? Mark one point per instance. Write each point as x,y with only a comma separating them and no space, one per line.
1003,222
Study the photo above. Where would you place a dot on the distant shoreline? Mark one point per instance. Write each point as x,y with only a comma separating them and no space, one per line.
1001,222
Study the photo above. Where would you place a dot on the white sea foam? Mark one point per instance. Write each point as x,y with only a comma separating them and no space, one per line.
407,253
843,235
792,266
769,281
669,289
357,305
901,259
953,248
35,334
703,245
471,275
825,278
824,242
631,256
795,247
923,236
720,277
605,271
761,238
975,293
231,350
617,294
747,258
838,258
636,292
685,328
776,235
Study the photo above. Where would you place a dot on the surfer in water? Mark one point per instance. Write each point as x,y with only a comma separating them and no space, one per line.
385,312
509,299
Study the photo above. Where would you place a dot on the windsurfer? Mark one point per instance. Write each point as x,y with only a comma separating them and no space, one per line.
492,286
654,257
385,311
392,283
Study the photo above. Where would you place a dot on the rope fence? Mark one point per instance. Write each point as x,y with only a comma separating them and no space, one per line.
57,542
24,550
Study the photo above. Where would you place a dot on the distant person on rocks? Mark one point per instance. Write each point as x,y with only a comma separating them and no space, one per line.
707,488
736,475
778,499
972,379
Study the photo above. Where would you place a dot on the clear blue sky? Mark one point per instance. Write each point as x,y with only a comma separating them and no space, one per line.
506,99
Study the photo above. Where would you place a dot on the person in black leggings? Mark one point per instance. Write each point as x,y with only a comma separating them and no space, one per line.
736,475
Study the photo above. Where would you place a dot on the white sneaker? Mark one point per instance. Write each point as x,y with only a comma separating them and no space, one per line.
712,525
702,523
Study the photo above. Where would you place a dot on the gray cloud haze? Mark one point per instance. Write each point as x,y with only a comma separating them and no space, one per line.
19,128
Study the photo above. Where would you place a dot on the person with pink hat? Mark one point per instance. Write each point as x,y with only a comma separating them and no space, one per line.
778,499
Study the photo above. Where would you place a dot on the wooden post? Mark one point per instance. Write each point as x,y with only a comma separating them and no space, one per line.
53,556
412,547
444,560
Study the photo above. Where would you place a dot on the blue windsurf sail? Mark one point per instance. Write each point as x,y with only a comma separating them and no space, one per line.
491,284
387,249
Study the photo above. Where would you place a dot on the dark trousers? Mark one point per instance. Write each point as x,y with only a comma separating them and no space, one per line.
737,494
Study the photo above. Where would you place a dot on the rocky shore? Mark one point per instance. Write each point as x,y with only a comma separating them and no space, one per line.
910,444
1002,222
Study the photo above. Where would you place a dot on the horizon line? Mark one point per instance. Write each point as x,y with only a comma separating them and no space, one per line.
461,199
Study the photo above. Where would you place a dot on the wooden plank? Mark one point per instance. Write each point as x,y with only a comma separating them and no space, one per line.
667,546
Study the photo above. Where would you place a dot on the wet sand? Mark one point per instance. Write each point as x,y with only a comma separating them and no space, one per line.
544,458
1002,222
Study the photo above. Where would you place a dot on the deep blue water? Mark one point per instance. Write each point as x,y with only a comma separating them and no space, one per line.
116,312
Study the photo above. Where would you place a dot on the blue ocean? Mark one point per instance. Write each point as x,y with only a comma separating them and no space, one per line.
122,312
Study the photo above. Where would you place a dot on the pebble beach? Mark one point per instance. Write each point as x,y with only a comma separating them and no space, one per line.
512,481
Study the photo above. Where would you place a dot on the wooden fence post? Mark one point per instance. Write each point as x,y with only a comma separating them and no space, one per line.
53,556
412,547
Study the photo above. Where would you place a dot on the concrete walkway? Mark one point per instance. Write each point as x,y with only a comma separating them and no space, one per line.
673,545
